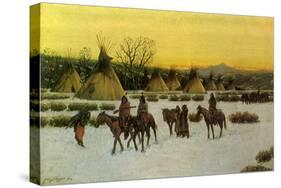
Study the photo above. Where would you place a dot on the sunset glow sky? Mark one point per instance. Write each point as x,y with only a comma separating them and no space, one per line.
183,39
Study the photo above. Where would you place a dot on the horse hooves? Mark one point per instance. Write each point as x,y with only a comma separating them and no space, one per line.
142,150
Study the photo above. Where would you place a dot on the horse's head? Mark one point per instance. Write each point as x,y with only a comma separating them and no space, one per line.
199,109
164,113
101,119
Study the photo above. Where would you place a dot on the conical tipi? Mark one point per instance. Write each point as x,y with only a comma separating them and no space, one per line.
69,82
194,84
103,84
211,86
219,83
156,83
172,81
230,85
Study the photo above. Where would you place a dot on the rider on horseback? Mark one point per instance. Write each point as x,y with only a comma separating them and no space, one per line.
212,106
143,110
124,113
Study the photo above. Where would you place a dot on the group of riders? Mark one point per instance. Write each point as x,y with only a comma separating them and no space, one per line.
81,119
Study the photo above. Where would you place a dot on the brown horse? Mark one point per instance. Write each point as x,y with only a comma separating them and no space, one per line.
170,116
113,123
210,120
137,126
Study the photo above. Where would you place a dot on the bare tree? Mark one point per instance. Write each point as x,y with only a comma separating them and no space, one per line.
139,51
135,54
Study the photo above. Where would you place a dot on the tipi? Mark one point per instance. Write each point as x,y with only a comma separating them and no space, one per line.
156,82
172,81
194,84
103,84
219,83
230,85
69,82
210,85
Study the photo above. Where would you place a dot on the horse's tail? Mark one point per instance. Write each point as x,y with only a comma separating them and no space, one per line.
224,122
153,121
155,125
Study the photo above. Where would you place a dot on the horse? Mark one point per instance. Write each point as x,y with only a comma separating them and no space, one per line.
137,126
113,123
210,120
170,116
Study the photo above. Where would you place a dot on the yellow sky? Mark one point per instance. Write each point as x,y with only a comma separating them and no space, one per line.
182,39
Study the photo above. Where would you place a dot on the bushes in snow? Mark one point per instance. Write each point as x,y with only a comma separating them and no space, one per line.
255,168
163,97
173,98
46,95
77,106
265,156
152,98
228,98
194,118
185,98
57,106
198,97
135,96
261,157
107,106
243,117
59,121
45,107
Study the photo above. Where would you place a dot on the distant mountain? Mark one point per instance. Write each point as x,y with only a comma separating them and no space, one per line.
220,68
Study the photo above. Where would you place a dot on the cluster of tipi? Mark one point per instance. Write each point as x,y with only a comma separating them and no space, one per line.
104,84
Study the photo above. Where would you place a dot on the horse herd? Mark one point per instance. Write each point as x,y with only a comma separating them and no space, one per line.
255,97
138,128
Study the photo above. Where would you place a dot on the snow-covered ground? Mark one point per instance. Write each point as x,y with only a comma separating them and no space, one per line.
63,161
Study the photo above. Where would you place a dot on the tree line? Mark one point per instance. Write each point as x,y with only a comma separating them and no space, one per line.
130,62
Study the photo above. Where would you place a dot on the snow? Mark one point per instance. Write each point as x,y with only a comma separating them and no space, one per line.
63,161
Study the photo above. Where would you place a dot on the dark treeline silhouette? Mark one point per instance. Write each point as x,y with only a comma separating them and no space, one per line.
53,66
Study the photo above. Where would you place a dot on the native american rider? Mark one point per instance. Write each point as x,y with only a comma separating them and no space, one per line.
212,106
143,110
124,112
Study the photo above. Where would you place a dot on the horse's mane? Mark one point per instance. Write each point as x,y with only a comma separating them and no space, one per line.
113,118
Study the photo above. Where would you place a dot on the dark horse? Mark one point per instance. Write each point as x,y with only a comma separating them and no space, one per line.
210,120
170,116
137,126
113,123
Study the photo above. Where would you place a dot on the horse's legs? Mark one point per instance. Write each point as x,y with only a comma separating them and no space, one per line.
114,146
139,136
155,136
128,143
142,135
134,140
170,127
131,137
148,134
212,127
122,148
221,126
208,131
